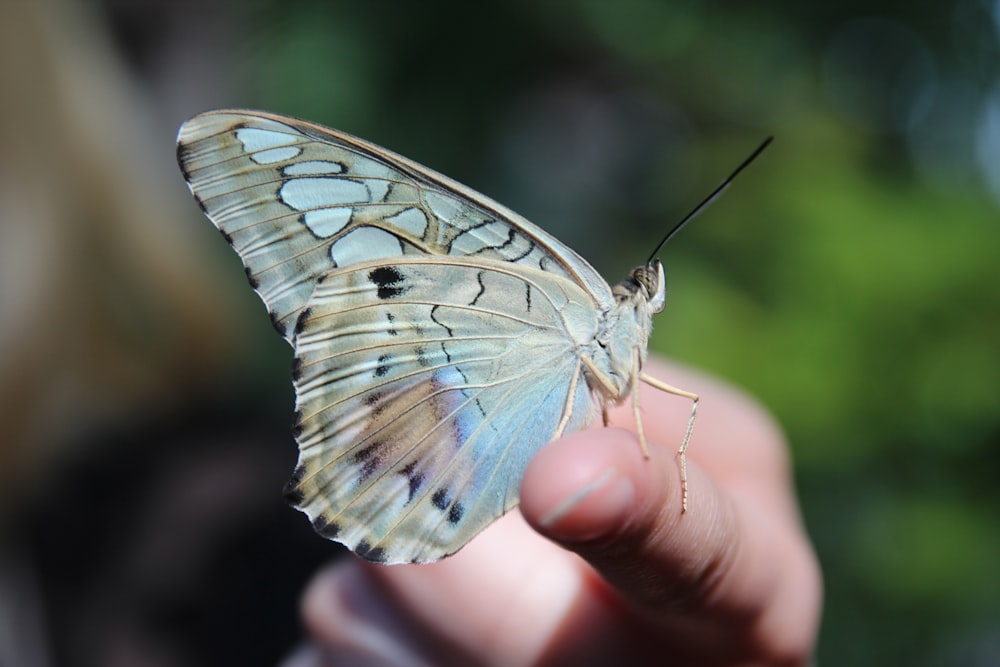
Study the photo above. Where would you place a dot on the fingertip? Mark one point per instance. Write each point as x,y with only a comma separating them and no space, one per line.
596,495
586,487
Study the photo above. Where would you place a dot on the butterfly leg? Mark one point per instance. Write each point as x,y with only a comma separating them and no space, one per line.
606,388
568,408
635,403
681,452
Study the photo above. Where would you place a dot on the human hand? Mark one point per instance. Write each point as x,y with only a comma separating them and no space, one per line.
733,581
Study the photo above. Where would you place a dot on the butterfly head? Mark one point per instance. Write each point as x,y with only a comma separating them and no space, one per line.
646,284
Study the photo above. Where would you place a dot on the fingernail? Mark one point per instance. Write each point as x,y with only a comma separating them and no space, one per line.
594,509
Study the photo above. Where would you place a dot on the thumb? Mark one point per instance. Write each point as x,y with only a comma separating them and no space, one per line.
733,578
595,494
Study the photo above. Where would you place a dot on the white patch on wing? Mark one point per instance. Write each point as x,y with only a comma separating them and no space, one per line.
412,220
313,168
304,194
363,244
276,154
373,169
325,222
255,139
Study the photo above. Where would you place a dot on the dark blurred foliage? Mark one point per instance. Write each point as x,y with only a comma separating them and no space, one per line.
849,279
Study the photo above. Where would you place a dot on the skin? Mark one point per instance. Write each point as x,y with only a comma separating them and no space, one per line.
599,566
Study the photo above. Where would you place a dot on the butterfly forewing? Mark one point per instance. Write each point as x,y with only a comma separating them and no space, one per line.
296,200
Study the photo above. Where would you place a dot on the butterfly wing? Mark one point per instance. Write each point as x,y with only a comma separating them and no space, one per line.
297,200
419,408
424,382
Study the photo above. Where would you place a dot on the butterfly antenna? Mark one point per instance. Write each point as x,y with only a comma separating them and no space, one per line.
709,199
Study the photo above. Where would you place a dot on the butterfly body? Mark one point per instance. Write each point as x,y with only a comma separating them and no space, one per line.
440,339
624,333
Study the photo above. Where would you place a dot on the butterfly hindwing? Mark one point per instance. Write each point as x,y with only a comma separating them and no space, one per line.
297,200
420,407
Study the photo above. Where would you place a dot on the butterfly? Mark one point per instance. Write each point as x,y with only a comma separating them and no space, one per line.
440,339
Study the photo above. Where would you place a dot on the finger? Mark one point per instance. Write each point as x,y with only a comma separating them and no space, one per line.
711,574
596,494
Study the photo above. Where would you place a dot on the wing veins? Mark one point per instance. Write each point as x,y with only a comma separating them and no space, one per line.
385,383
444,473
471,309
440,423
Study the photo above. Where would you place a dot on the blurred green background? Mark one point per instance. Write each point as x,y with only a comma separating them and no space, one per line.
849,279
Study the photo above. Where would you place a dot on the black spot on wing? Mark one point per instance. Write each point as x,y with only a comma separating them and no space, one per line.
375,403
325,528
183,152
422,356
382,366
298,474
182,160
370,459
291,491
440,499
293,496
297,424
389,281
392,325
369,553
296,369
300,321
226,235
414,478
254,283
527,295
276,323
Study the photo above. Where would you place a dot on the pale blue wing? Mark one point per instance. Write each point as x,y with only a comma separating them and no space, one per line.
424,386
297,200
